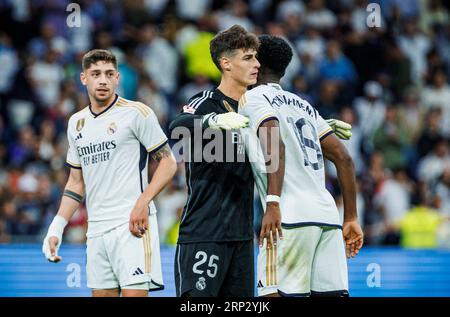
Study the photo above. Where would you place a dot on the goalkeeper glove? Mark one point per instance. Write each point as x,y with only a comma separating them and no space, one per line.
50,248
225,121
342,129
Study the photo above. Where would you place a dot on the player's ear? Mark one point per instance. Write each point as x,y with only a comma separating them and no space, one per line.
83,78
225,64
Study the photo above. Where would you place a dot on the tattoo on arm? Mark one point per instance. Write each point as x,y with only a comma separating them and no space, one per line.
73,195
163,152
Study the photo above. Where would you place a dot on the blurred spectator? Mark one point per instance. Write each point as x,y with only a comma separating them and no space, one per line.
411,114
301,88
438,95
200,83
236,12
433,14
393,201
337,67
392,140
311,46
192,10
289,7
9,63
48,40
326,102
159,57
419,227
371,181
47,76
318,16
435,163
371,111
399,69
431,132
148,93
23,151
415,45
442,190
170,204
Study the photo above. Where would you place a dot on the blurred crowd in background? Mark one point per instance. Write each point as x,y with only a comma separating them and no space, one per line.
390,82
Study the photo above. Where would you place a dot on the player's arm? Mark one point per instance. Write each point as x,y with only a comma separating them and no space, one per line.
71,199
273,148
165,170
336,152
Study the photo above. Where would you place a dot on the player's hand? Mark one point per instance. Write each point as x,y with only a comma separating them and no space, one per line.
271,225
50,248
226,121
342,129
353,236
139,218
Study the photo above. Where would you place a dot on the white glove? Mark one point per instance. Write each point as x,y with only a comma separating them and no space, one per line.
225,121
342,129
55,230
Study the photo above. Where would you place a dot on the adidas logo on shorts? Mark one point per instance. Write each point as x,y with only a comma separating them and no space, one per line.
260,284
138,272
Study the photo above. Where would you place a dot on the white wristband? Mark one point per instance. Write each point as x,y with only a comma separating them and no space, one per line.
272,198
57,227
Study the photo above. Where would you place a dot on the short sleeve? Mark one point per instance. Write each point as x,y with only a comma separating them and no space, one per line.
73,159
149,132
257,109
323,128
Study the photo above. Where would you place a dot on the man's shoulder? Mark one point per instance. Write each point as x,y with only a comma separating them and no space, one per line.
79,115
202,98
137,107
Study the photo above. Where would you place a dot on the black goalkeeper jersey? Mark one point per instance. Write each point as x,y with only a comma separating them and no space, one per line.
219,207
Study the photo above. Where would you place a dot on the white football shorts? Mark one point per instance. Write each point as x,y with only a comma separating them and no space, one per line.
118,259
309,259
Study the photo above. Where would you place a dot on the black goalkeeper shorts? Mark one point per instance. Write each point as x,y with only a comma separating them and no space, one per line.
211,269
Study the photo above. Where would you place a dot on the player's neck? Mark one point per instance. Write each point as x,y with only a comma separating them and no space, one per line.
99,106
231,88
268,79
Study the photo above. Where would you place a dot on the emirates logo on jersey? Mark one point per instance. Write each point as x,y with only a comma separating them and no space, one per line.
80,124
112,128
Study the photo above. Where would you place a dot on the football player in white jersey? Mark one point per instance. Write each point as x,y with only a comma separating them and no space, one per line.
310,259
109,144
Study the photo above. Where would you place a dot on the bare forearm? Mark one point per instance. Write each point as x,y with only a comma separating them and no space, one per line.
164,172
273,148
72,196
275,178
335,151
346,175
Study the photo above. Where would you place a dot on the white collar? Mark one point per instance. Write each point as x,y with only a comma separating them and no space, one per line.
275,85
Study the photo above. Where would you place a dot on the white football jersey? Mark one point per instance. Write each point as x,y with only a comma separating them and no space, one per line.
111,149
304,199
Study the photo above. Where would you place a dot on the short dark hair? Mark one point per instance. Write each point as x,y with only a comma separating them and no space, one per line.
96,55
274,54
225,42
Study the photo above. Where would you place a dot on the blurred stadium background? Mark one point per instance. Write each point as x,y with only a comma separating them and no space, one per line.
390,82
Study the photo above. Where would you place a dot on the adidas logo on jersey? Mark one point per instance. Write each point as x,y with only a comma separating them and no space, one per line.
79,136
138,272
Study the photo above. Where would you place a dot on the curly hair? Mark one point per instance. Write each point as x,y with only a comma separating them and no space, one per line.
274,54
225,42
